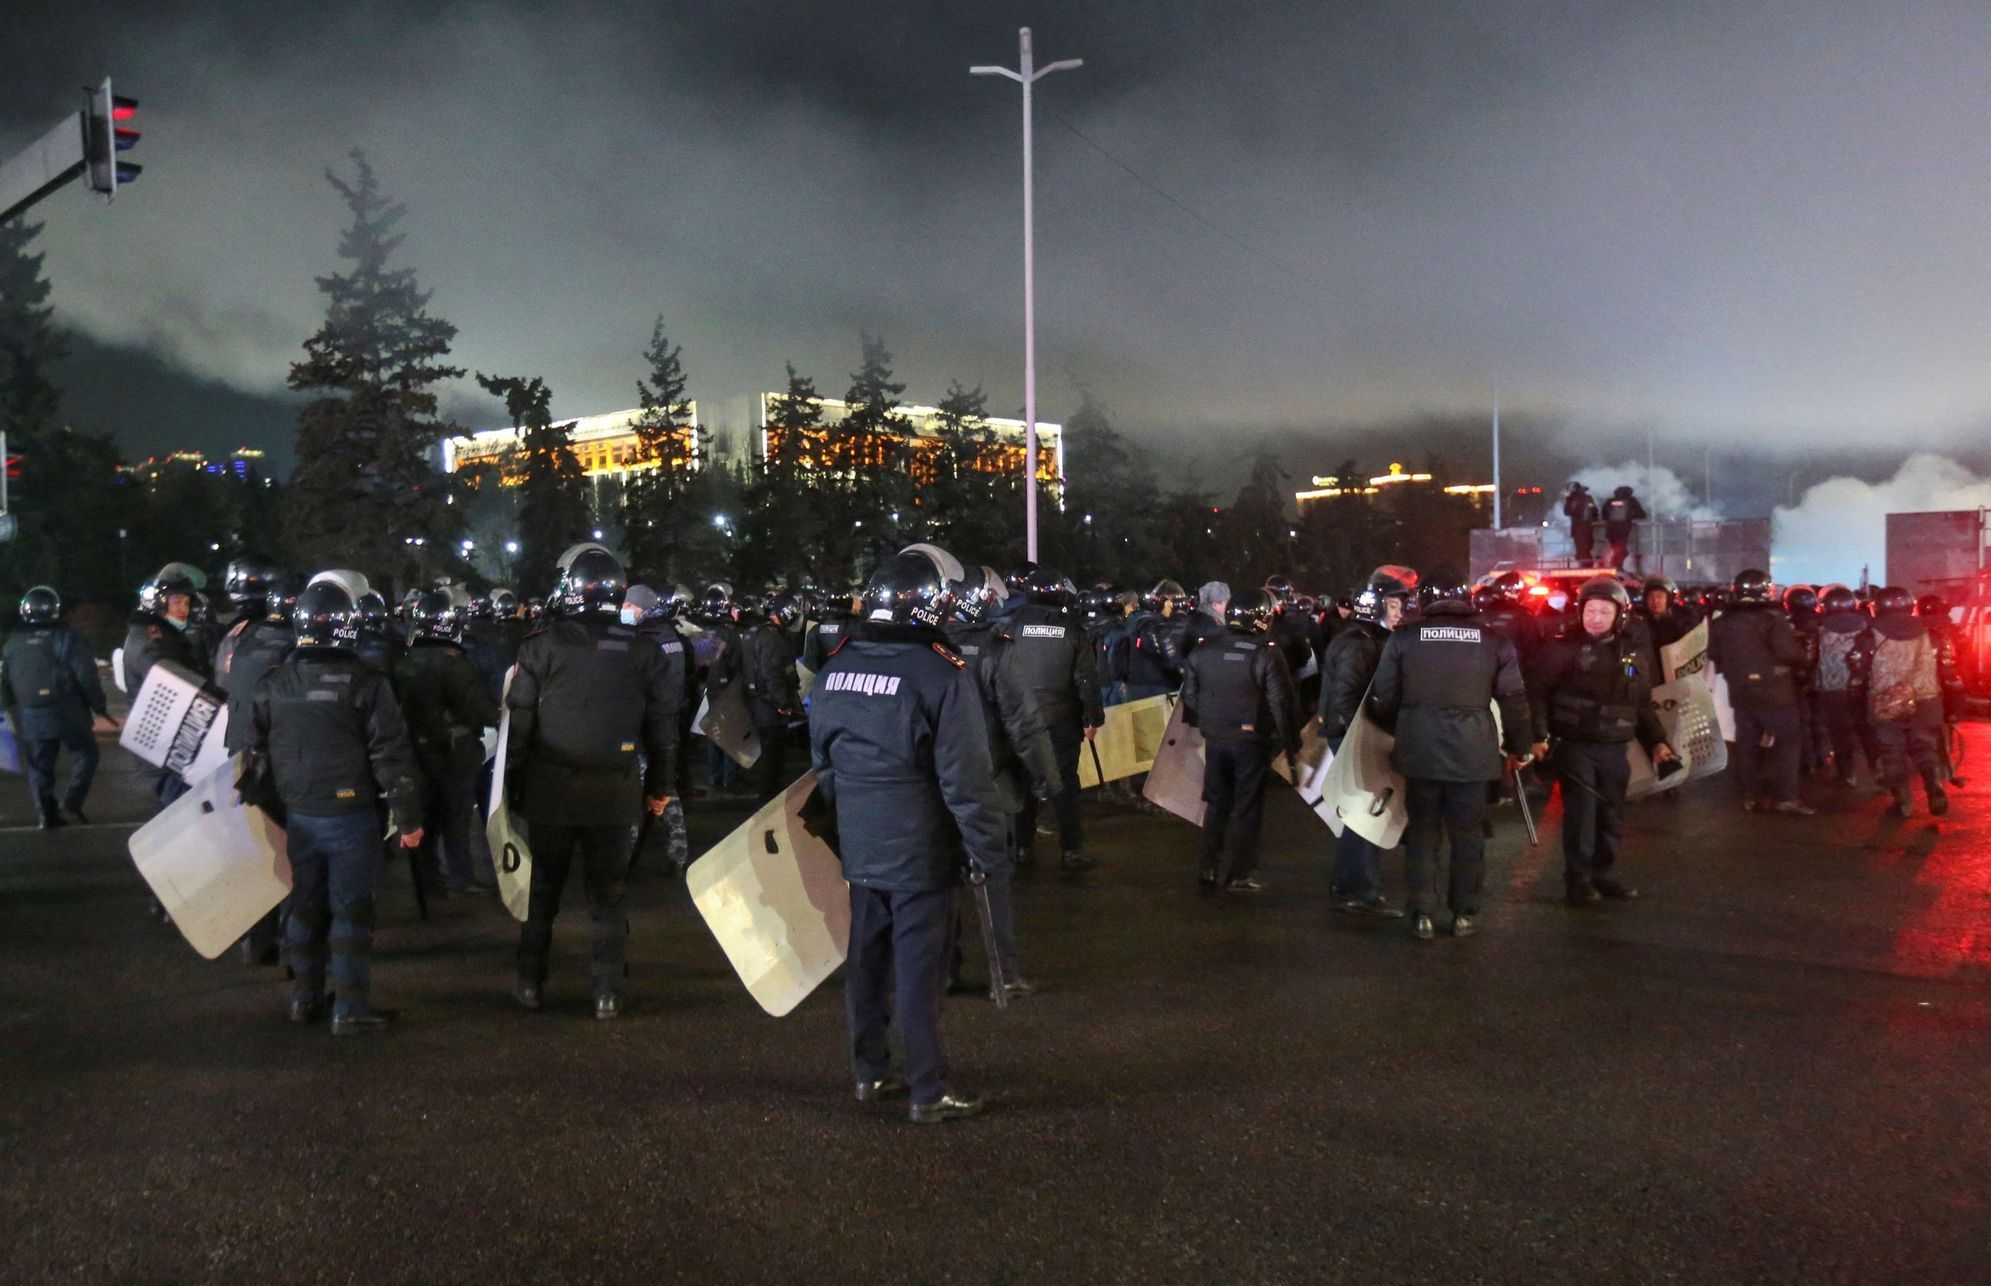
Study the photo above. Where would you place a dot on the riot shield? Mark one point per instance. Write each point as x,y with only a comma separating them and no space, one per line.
215,863
1175,779
511,854
773,895
1126,743
1361,790
1688,714
723,717
172,718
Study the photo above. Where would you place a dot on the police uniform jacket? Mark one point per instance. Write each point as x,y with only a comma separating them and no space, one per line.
443,702
1761,656
1296,638
1154,652
329,732
1200,628
1905,629
380,649
767,667
676,652
1591,689
251,650
1019,746
1345,673
150,640
1435,684
1057,662
1238,689
588,698
820,641
900,746
491,649
49,674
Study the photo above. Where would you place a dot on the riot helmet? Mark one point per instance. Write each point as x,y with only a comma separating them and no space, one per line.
1280,588
716,604
1752,588
1049,587
504,603
435,616
591,582
1933,606
171,580
1800,600
1166,593
1510,587
248,582
1251,611
1893,601
40,606
1605,587
982,594
673,601
280,601
1018,579
372,609
781,609
1838,598
354,583
326,617
908,589
1386,582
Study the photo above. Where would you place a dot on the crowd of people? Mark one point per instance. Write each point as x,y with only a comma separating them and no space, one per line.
943,705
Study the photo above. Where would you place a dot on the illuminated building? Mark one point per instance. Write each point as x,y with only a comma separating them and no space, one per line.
605,446
244,464
1328,487
850,453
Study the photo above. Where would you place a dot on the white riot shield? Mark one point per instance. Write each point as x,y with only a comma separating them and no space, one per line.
1361,790
1315,761
511,855
1175,778
172,717
215,863
1724,713
723,717
1125,744
117,669
774,897
1687,712
10,746
1686,656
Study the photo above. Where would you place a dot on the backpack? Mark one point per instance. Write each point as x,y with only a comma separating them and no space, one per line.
1901,678
1835,653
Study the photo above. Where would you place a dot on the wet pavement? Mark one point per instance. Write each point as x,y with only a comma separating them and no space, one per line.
1772,1067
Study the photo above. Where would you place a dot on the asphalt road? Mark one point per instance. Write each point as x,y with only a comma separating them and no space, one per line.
1771,1068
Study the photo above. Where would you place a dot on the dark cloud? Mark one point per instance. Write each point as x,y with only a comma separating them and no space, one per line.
1754,223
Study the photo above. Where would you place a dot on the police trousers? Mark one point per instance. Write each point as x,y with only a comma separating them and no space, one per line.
449,807
40,756
1234,775
1912,747
1065,742
605,853
1847,728
1439,809
334,864
1595,775
1358,864
1770,770
897,969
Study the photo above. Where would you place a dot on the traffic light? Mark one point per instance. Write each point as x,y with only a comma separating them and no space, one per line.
106,133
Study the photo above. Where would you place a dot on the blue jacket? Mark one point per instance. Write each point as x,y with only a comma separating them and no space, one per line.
900,746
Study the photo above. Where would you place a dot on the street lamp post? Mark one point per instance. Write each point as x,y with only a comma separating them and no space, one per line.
1027,76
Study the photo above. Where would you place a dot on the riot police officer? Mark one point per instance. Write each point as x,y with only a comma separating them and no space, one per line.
1435,687
656,617
1154,642
444,704
1755,649
329,737
247,584
159,632
378,645
1580,507
254,646
1841,622
822,637
773,689
48,678
900,745
1378,608
716,654
1019,746
1057,661
1905,677
1620,513
1239,693
588,697
1593,694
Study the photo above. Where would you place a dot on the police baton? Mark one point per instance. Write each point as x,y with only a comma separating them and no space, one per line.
978,888
1527,814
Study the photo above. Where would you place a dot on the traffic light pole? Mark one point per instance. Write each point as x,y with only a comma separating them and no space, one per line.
86,143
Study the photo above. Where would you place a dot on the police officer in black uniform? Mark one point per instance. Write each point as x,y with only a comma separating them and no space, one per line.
656,617
1019,745
1156,632
716,652
773,689
901,747
1435,687
48,679
1593,694
1239,693
1057,661
330,741
822,637
445,707
158,632
1351,660
253,647
589,697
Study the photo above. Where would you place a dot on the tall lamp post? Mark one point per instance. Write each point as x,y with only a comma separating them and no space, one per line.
1028,75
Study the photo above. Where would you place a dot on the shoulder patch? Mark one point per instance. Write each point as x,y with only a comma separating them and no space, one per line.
947,653
840,642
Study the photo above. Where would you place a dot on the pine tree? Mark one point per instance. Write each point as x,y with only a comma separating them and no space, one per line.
1109,529
974,505
68,503
367,486
783,528
874,443
1256,528
662,521
552,490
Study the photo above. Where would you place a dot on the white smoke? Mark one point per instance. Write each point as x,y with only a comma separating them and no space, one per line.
1662,491
1840,526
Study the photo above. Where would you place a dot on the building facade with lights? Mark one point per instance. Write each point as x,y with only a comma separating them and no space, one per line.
846,453
606,446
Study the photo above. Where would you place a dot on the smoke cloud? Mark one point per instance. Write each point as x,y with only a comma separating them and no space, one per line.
1840,526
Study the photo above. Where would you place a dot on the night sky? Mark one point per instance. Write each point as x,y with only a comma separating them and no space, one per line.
1761,225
